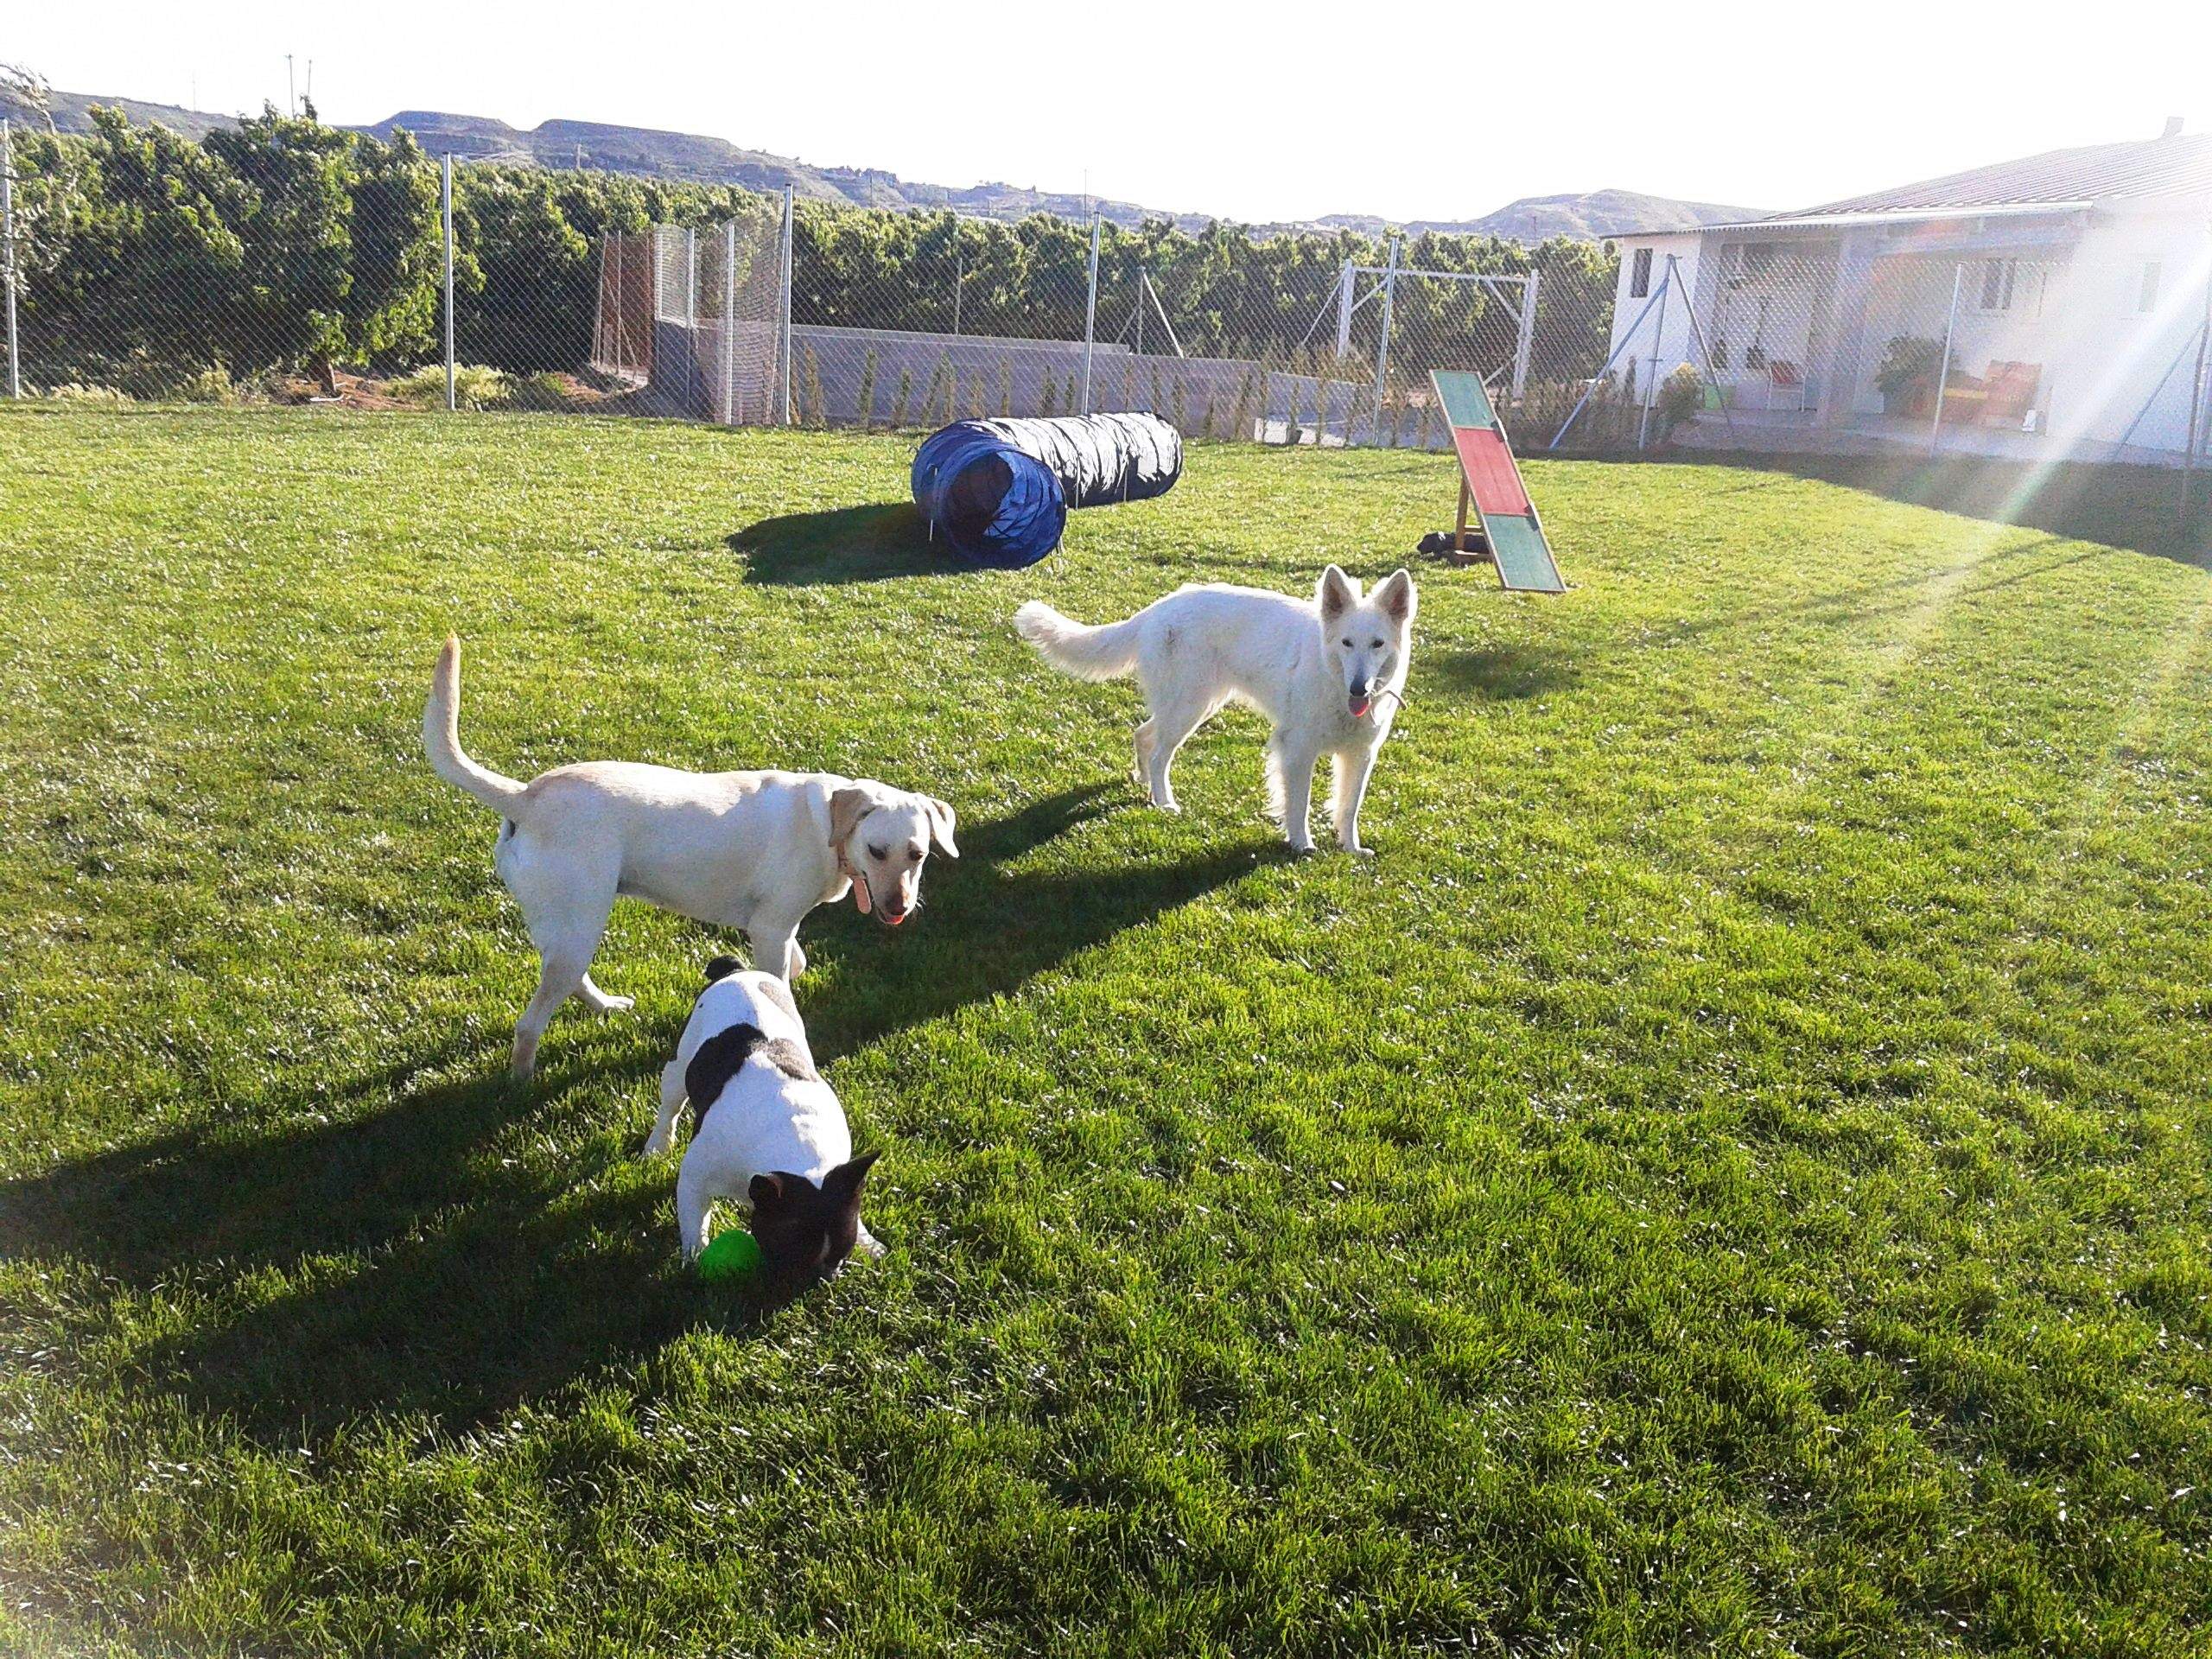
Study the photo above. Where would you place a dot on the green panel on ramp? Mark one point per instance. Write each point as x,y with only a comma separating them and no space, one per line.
1524,563
1465,402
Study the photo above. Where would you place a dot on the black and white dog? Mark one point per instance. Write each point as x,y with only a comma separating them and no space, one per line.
766,1130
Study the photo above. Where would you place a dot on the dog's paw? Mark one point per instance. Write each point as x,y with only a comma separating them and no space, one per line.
656,1144
1302,849
1352,848
616,1005
1168,805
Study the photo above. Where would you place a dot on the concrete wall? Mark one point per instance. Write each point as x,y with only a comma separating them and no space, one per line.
2109,360
952,376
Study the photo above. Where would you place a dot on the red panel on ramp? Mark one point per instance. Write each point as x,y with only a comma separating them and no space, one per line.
1490,472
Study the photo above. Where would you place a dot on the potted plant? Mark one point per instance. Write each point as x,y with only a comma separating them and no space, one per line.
1907,373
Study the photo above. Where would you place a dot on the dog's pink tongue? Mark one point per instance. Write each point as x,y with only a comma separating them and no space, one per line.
860,896
1360,706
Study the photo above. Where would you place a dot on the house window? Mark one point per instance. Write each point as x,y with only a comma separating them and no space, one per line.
2146,295
1998,276
1639,275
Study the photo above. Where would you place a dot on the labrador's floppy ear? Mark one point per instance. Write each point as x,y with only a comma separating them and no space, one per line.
767,1191
847,808
941,824
1334,593
1395,593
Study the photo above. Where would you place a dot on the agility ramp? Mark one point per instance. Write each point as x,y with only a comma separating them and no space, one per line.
1490,482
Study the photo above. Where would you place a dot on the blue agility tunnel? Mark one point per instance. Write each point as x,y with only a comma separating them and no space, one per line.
999,492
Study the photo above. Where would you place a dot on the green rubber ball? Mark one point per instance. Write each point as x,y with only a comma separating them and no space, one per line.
732,1254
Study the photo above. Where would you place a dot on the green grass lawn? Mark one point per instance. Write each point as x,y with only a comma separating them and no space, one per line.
1732,1174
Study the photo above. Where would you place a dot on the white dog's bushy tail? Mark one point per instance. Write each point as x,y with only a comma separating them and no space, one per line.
441,737
1102,653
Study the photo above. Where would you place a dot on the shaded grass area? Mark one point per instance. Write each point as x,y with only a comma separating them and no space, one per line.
2139,508
1731,1173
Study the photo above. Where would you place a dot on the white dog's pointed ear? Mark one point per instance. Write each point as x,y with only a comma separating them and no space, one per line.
1334,593
1395,593
941,822
847,808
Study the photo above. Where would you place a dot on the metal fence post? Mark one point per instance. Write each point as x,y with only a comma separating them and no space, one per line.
731,413
1382,351
1346,281
8,255
694,371
1091,315
784,305
1943,374
446,193
1652,380
1524,347
1703,350
619,247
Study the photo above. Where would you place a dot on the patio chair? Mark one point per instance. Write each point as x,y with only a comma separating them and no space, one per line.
2011,389
1966,397
1785,379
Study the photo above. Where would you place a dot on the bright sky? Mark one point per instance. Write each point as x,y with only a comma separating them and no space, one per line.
1413,110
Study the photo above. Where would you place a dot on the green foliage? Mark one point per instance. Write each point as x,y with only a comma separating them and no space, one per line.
397,254
476,386
143,261
545,390
1681,394
868,366
74,392
285,243
814,401
535,298
295,233
1908,361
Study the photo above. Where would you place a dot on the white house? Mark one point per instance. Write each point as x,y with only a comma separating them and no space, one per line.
2059,301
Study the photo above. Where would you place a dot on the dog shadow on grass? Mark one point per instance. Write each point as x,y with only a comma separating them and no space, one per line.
986,930
881,541
380,1264
1503,673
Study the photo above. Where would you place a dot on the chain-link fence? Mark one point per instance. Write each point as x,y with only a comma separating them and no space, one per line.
280,260
284,261
1999,338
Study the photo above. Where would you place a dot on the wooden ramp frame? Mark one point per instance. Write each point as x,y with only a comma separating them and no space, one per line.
1489,478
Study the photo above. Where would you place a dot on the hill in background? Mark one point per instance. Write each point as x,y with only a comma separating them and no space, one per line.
648,153
1590,217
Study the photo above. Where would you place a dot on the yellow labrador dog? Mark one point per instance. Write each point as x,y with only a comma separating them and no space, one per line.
754,850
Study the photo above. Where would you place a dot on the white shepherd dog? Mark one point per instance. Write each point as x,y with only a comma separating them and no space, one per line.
1329,672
